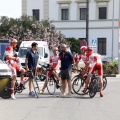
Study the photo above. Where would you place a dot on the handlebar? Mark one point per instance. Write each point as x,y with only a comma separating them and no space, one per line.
47,68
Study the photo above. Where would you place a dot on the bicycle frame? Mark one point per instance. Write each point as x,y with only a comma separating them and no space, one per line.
19,89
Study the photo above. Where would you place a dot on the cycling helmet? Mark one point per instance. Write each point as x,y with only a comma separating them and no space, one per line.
83,48
12,40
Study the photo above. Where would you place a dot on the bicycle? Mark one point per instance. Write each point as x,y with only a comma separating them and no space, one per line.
79,83
32,73
5,89
50,80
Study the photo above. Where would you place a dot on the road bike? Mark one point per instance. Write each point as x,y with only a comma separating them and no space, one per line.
50,80
31,74
5,85
79,81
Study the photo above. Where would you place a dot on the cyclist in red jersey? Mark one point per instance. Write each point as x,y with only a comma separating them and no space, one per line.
11,62
96,64
55,65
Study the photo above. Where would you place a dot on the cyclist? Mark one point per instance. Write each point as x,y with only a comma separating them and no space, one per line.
96,64
54,65
11,62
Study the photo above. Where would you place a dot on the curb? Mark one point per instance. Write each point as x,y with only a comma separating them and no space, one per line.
110,75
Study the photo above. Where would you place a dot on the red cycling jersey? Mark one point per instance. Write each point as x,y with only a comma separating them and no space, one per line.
84,58
54,60
10,62
9,51
96,64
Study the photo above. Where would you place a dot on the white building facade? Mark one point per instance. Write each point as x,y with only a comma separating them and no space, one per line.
70,18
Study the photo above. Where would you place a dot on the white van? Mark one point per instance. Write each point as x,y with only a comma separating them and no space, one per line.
43,51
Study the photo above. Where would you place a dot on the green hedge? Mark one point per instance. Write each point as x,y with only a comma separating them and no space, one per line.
110,68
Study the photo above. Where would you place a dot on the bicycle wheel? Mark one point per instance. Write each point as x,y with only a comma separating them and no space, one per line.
104,82
93,87
72,83
5,85
51,85
36,87
78,85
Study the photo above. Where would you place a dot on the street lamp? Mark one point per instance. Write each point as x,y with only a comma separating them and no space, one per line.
112,29
119,42
87,22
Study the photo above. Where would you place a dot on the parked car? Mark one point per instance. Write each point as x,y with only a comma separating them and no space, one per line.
106,59
115,59
4,69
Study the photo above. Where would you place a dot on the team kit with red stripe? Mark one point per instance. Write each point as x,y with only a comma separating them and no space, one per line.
12,64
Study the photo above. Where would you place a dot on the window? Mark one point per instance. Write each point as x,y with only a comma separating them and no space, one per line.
64,14
102,46
36,14
102,13
82,13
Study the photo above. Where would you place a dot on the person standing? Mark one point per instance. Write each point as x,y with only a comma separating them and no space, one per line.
66,69
31,62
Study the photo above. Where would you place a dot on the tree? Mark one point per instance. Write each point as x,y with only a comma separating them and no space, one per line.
75,44
27,28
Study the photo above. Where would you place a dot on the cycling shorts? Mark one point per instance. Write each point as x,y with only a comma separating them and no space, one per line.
14,67
98,67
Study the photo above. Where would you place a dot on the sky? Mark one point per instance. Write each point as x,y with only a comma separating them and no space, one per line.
10,8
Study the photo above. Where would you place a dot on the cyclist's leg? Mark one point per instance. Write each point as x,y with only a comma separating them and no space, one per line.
44,86
46,82
13,70
22,74
100,73
91,71
55,73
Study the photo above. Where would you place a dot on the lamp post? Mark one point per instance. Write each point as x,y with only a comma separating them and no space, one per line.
119,42
112,29
87,22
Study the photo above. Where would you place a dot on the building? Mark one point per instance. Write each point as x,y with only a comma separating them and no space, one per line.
70,18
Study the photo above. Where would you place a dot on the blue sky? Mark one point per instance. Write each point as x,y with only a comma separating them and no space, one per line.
10,8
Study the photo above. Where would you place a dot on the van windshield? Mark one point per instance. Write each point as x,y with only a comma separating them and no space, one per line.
23,50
